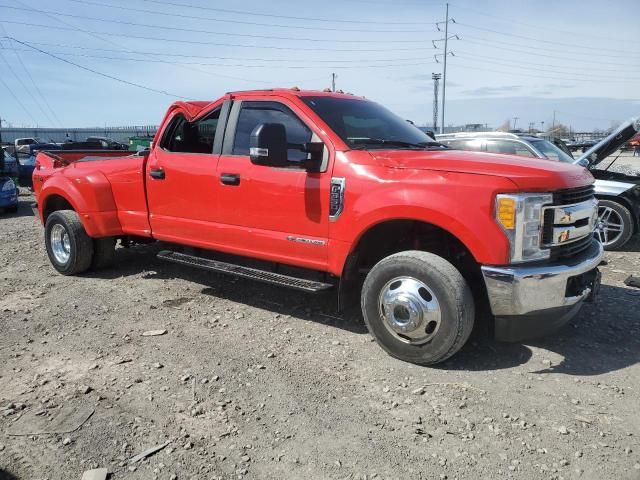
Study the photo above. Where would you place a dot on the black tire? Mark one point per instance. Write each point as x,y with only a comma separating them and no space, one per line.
451,290
627,223
104,252
80,244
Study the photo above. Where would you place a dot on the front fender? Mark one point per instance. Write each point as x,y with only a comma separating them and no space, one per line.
90,195
460,204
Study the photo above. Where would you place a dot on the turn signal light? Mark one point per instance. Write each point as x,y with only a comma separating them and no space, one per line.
507,212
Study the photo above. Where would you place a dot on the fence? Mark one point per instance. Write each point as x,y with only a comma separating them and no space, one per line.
58,135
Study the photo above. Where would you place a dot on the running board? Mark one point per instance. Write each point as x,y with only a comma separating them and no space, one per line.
244,272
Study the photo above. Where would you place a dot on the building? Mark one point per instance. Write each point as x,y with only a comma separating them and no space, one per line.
60,135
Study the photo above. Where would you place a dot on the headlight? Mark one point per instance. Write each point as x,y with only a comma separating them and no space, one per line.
520,216
8,186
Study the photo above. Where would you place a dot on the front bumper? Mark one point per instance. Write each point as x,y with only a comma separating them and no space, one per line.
531,301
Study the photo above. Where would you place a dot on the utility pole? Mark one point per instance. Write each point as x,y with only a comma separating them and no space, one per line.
515,121
553,125
444,54
333,82
436,81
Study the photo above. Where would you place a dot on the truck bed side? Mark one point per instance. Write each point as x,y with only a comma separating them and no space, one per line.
106,188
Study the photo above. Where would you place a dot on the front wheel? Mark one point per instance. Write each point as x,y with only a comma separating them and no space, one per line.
69,247
615,224
418,307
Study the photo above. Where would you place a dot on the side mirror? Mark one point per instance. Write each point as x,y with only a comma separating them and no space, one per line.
268,145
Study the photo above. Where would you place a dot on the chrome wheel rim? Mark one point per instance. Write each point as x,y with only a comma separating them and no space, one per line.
609,227
409,310
60,243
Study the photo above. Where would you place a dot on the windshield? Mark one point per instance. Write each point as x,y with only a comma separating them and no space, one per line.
550,151
365,124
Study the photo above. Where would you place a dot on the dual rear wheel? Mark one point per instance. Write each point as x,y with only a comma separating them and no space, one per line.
70,249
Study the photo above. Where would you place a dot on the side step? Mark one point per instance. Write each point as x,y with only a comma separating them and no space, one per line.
244,272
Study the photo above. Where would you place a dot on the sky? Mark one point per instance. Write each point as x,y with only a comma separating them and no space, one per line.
76,63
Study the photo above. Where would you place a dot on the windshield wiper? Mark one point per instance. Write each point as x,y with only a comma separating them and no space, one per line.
394,143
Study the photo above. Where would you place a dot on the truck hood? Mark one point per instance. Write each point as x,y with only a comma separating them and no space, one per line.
609,144
527,173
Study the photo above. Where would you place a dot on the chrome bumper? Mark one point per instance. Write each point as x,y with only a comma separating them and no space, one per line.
522,290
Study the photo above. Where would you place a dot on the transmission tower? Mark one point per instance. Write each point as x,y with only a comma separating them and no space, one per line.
436,82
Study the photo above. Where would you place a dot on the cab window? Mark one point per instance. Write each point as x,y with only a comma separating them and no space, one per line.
191,137
253,114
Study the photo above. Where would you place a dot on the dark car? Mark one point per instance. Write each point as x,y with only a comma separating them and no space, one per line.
618,193
8,188
107,143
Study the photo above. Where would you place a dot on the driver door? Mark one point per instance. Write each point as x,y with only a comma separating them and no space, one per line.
278,214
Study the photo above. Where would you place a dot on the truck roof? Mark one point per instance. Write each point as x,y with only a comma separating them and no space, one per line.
193,108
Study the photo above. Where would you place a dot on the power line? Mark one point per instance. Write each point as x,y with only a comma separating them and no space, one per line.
287,17
527,74
240,22
35,86
106,75
120,47
534,67
494,43
219,44
552,42
18,101
253,65
24,87
539,28
207,32
247,59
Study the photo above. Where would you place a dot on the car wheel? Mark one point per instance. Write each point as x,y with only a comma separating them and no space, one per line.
614,227
418,307
69,247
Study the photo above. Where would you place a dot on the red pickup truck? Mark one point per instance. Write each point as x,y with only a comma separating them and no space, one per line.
329,190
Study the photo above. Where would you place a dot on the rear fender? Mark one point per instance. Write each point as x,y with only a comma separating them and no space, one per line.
90,196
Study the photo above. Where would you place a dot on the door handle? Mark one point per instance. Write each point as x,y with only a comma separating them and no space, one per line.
230,179
157,173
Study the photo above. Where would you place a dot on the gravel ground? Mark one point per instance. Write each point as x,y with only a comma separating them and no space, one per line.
253,381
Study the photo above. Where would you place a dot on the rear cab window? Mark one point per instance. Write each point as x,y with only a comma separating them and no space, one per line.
191,137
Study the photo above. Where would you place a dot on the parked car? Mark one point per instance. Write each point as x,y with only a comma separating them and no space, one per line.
26,165
22,144
618,193
8,188
341,194
107,143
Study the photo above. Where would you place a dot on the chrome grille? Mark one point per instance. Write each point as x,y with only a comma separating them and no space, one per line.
572,215
573,195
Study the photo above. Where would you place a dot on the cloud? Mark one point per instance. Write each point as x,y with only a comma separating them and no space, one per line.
542,92
557,86
486,91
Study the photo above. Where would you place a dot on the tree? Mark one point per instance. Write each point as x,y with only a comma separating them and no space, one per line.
559,130
505,127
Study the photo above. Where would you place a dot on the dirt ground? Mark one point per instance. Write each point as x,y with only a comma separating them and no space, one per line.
254,381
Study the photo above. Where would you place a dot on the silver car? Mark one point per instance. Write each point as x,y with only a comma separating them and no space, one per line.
618,194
